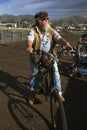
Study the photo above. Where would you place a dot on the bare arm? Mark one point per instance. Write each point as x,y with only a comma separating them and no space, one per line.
65,42
29,46
59,39
30,41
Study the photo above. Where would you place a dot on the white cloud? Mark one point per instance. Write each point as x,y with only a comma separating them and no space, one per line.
55,8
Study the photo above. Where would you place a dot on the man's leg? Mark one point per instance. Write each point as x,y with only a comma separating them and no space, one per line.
58,81
33,86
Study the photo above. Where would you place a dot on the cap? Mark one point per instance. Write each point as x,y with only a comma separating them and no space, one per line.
41,15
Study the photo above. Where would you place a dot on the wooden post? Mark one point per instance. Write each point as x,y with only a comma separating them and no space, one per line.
0,36
12,35
21,34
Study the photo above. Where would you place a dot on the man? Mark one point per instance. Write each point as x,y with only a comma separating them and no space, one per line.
83,39
43,37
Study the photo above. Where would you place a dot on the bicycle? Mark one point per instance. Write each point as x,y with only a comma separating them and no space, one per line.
45,80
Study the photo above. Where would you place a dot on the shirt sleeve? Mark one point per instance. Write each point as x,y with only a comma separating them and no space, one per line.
56,36
31,35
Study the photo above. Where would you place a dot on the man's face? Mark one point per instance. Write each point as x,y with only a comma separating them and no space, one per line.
44,23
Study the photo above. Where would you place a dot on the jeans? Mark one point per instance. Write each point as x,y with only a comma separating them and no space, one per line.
56,74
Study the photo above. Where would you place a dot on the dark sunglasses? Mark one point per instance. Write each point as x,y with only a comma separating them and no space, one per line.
46,18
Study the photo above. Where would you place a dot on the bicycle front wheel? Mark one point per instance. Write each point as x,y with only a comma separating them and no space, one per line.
57,113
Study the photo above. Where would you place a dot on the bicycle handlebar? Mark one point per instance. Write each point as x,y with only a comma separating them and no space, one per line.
41,52
45,59
67,50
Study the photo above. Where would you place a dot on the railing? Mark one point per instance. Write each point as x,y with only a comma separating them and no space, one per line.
12,35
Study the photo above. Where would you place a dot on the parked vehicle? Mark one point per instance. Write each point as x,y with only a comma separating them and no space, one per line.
79,66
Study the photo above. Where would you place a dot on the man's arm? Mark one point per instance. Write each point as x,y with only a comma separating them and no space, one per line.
30,41
59,39
29,46
65,42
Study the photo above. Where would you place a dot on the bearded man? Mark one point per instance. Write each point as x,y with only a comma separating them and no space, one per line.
43,37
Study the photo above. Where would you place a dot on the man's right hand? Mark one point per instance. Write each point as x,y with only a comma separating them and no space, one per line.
29,49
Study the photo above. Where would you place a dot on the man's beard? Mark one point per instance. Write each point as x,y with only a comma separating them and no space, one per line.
46,27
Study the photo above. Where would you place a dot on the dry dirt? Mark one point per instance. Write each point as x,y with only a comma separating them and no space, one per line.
15,113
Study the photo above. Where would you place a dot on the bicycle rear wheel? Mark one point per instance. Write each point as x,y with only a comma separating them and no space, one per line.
57,113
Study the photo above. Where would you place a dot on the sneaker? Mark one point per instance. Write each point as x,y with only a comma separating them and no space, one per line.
31,97
62,98
31,101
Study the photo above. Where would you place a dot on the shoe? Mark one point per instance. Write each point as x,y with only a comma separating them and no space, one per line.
31,101
62,98
31,97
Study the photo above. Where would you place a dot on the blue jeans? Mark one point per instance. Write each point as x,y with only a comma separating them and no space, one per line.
56,74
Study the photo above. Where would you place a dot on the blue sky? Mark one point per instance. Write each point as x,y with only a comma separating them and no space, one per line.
56,8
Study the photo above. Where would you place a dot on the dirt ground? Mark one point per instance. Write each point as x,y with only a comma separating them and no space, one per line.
15,113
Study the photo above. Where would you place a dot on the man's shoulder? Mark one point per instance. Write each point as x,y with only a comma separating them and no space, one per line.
51,31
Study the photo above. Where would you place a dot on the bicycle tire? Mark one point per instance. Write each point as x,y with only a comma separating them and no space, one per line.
58,116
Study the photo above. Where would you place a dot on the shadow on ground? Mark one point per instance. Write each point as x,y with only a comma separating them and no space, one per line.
76,104
16,90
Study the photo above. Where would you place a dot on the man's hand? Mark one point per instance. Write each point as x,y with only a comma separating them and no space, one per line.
69,45
29,49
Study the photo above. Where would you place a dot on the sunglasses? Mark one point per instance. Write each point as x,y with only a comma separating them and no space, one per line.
46,18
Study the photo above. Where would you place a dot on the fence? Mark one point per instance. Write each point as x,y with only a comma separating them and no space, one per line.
13,35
